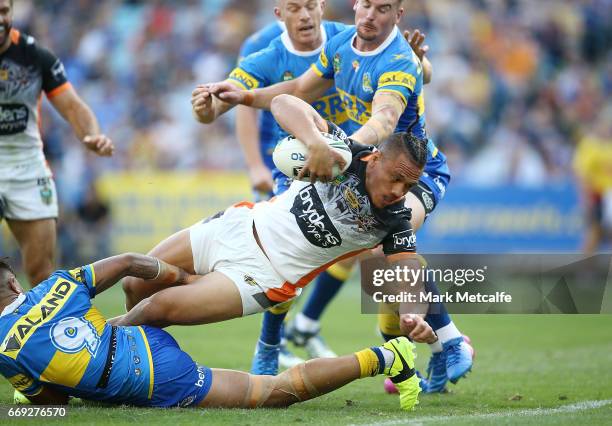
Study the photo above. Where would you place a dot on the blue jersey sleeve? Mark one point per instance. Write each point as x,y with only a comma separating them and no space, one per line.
401,75
19,378
86,276
255,70
324,67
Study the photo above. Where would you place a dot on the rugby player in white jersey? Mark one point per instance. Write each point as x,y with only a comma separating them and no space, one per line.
28,199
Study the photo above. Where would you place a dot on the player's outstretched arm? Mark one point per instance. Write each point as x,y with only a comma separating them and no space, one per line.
304,122
110,270
247,132
83,122
309,87
387,107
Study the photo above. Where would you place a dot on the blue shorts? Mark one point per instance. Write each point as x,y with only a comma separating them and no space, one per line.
281,182
178,381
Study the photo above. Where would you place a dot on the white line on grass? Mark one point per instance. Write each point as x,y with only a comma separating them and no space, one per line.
532,412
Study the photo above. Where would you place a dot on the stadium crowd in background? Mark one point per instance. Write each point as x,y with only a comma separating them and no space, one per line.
516,83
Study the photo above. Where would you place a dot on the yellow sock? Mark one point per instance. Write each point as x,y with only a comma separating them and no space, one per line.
368,363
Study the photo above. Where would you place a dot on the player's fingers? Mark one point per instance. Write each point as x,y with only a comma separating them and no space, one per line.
425,49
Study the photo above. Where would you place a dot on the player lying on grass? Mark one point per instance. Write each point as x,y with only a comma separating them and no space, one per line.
55,344
256,256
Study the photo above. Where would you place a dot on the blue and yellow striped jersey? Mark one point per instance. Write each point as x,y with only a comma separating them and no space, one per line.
281,62
358,76
53,336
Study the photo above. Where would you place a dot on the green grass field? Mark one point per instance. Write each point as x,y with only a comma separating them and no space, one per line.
529,370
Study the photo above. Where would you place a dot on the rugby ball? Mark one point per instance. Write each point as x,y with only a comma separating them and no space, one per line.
291,154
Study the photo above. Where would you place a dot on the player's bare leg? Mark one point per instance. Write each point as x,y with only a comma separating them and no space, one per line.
233,389
212,298
175,250
36,239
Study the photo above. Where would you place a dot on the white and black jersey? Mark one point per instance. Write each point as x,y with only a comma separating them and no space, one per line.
26,70
311,226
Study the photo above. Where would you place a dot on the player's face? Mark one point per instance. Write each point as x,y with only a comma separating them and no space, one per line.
6,20
389,178
375,19
303,21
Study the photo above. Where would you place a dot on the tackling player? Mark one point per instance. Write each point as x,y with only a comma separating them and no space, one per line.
28,199
56,344
254,130
379,79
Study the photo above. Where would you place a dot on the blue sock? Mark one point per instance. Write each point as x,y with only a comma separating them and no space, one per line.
437,315
325,289
271,328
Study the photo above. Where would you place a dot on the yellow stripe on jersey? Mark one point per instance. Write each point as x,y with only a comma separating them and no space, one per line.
66,369
39,314
316,70
93,275
243,79
397,78
323,58
96,319
357,110
144,337
421,103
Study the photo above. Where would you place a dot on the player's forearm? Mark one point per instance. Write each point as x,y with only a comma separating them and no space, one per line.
262,98
297,118
109,271
247,133
379,127
82,119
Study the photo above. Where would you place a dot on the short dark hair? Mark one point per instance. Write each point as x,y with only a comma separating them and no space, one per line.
5,266
408,144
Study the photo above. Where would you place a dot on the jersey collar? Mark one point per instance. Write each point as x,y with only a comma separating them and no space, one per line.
289,45
379,49
13,306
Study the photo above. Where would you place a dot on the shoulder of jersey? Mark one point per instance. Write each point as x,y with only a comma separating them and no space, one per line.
332,28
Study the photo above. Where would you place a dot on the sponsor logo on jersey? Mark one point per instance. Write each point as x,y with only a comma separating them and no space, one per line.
427,201
288,75
244,79
355,65
13,118
313,220
397,78
38,315
398,57
58,71
201,376
405,240
366,84
351,198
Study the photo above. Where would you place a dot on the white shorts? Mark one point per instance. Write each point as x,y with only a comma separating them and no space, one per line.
31,199
226,244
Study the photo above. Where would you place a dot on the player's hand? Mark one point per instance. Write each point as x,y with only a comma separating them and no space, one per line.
416,39
201,102
231,94
100,144
261,178
415,327
320,163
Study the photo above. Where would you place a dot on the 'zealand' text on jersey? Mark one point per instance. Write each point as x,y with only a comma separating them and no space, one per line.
26,69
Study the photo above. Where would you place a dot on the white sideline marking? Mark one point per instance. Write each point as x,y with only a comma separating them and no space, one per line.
532,412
